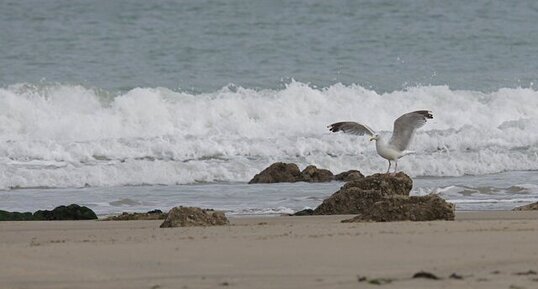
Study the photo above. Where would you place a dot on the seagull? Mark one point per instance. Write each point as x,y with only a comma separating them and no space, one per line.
404,127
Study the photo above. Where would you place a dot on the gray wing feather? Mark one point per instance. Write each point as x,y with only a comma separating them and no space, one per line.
351,127
405,126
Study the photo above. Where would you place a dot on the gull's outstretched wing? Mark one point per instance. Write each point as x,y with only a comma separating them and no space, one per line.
351,127
405,126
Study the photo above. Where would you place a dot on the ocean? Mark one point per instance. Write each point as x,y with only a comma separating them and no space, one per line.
140,105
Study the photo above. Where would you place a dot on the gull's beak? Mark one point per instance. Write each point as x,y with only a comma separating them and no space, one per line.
372,138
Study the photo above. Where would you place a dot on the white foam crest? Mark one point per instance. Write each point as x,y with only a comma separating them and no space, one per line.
84,136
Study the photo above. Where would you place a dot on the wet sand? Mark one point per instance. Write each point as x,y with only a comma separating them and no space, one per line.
485,249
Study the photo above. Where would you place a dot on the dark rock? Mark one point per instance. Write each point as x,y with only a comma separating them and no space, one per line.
351,175
387,184
190,216
156,211
278,172
348,201
290,173
384,198
305,212
425,275
151,215
15,216
312,174
529,207
358,196
403,208
71,212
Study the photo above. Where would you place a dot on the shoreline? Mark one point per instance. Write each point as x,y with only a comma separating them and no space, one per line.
504,191
487,249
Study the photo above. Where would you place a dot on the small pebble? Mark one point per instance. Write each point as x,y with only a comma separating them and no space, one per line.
361,278
455,276
530,272
425,275
380,281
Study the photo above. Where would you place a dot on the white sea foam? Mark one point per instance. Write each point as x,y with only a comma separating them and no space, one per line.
72,136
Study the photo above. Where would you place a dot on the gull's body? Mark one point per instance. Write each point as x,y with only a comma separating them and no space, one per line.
395,148
386,151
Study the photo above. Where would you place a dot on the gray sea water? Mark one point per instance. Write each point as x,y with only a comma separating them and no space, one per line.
139,105
502,191
204,45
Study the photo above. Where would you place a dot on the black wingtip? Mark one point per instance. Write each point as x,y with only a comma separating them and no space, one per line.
425,113
335,127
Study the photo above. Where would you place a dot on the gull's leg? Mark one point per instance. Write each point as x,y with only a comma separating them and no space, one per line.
396,166
389,167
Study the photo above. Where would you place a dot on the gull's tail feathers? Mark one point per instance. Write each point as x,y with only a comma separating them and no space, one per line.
404,153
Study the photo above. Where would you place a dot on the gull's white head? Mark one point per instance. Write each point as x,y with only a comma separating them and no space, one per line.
374,137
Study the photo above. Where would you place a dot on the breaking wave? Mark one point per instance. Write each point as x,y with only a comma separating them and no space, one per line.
74,136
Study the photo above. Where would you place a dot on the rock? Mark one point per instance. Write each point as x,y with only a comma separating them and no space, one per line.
384,198
71,212
15,216
156,211
278,172
529,207
358,196
403,208
388,184
305,212
351,175
151,215
312,174
190,216
348,201
290,173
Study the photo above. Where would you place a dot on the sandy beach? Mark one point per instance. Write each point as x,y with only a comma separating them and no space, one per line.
485,249
380,111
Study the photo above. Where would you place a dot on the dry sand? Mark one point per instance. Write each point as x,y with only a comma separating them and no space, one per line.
487,249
